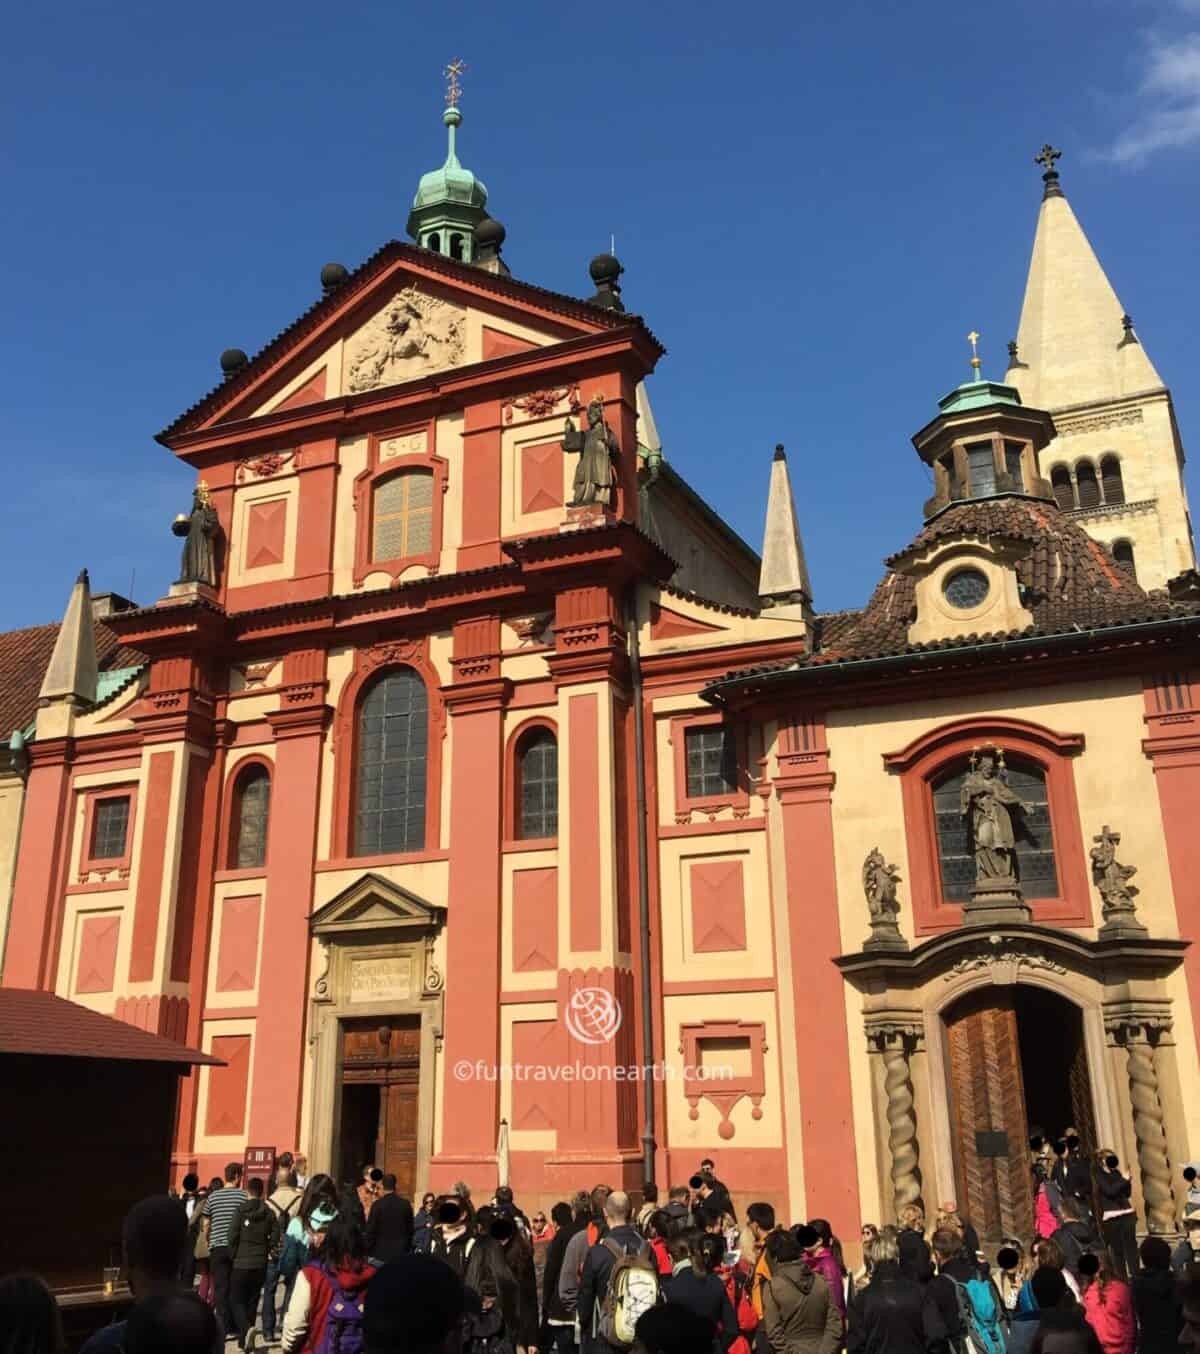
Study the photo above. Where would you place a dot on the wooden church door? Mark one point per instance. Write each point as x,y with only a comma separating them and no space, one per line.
988,1119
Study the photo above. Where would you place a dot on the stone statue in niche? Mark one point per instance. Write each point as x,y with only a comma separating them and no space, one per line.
199,528
879,886
991,805
1112,882
597,447
413,334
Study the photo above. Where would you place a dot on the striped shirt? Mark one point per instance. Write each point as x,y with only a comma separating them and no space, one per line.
221,1209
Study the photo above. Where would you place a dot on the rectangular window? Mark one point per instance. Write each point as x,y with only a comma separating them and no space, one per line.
1012,463
983,469
403,516
110,826
711,761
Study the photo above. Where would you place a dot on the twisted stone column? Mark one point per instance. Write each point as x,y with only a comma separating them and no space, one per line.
1139,1035
895,1041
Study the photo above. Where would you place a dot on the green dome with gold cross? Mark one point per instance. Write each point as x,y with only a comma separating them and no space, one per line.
450,201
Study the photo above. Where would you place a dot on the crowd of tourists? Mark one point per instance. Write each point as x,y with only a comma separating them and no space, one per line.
314,1268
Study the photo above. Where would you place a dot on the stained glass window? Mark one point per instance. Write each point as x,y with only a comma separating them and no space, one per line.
966,588
711,761
110,826
403,515
1036,869
537,785
393,748
253,803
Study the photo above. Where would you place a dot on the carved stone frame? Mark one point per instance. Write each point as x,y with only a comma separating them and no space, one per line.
372,919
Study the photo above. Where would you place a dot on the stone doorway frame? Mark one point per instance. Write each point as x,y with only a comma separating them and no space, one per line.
1119,986
378,945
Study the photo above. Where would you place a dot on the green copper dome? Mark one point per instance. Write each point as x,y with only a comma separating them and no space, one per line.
977,394
449,203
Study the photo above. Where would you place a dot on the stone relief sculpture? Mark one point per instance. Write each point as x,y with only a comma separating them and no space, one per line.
199,529
989,802
413,334
597,447
1112,881
879,885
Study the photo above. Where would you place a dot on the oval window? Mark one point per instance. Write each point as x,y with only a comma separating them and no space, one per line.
965,588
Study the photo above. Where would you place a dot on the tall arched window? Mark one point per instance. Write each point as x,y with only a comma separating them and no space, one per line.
1111,481
1036,869
1089,487
251,808
1122,552
392,760
1064,490
537,785
402,516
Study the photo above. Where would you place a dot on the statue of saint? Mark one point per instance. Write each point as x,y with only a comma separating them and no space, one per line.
879,884
1109,875
596,446
990,803
200,529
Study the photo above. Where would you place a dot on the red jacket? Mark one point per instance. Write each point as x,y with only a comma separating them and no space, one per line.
739,1280
1110,1314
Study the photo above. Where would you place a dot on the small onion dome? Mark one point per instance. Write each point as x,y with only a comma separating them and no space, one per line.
232,361
605,268
333,275
489,233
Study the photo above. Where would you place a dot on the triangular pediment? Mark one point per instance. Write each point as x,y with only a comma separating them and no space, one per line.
373,903
403,315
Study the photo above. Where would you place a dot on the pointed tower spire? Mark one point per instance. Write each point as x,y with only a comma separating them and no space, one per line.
1071,321
783,579
71,675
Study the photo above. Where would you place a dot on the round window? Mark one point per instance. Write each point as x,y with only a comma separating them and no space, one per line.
965,588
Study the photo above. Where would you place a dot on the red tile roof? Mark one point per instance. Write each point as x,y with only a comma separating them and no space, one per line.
24,657
40,1022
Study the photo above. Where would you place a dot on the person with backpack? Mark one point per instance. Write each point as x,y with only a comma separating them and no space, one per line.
1077,1235
738,1279
964,1312
618,1283
284,1203
249,1245
799,1314
325,1314
700,1289
493,1313
578,1247
306,1230
1049,1291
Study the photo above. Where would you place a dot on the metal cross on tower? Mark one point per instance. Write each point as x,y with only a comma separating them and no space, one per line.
452,72
1046,157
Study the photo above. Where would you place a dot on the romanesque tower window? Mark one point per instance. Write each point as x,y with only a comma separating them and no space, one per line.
1110,480
1089,487
392,760
1036,868
251,805
537,785
1064,490
403,515
1122,553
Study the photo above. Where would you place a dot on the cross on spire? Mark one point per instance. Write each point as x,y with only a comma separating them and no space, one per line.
456,68
1047,157
973,340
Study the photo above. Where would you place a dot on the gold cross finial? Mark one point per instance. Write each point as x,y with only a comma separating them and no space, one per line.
973,340
452,72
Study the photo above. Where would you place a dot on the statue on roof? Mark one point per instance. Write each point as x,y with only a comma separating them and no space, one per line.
597,448
991,805
199,528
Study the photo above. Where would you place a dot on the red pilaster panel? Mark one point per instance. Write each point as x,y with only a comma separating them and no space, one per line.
315,523
473,924
535,920
191,865
481,475
35,903
96,965
804,786
237,957
150,866
291,852
226,1112
583,729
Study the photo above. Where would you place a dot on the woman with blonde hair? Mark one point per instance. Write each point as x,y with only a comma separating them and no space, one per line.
1045,1251
1015,1269
916,1259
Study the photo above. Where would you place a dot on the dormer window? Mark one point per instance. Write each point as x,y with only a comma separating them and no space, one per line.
982,467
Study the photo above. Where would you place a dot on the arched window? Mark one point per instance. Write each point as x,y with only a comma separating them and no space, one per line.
251,807
402,517
456,247
392,761
537,785
1064,491
1111,481
434,242
1122,552
1036,870
1089,488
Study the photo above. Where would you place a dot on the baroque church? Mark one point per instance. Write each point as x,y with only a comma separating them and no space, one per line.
471,741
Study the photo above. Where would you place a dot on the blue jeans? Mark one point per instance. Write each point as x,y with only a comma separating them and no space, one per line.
270,1286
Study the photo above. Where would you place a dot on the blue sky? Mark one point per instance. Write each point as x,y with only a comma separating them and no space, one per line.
814,204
